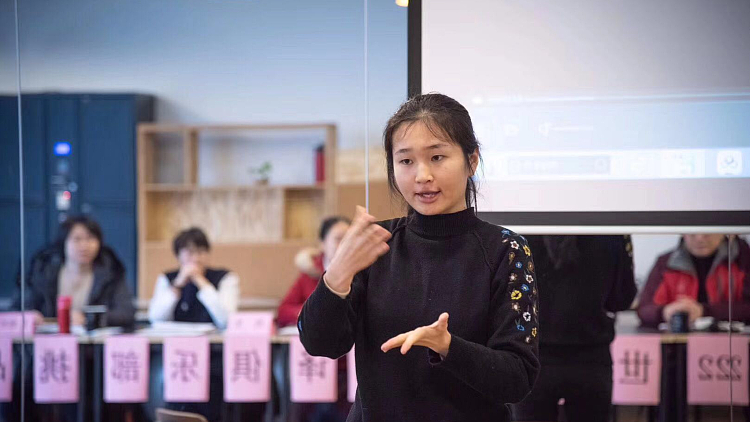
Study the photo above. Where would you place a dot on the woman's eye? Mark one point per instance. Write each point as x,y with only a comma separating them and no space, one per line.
405,161
437,157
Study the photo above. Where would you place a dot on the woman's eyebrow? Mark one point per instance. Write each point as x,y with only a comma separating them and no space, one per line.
436,146
439,145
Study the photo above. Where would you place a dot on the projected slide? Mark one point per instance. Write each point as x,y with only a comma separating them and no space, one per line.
654,137
589,106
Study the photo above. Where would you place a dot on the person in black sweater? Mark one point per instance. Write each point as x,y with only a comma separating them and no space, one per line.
583,281
394,284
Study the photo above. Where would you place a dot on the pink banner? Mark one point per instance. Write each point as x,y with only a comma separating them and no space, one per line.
251,323
126,369
636,369
6,368
186,369
11,323
313,379
351,376
247,368
711,366
56,369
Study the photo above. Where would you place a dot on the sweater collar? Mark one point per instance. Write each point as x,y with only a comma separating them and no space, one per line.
442,225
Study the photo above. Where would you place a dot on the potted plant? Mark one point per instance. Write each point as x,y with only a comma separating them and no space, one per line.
263,173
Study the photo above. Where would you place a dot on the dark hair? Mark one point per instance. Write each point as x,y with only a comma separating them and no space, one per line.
67,226
447,119
562,250
192,236
329,222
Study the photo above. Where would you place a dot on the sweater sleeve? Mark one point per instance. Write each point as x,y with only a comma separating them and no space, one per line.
291,305
327,323
720,311
163,301
740,272
222,301
505,369
649,312
623,288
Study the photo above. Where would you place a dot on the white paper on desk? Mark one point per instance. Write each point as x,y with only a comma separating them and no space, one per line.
180,328
288,331
52,328
105,331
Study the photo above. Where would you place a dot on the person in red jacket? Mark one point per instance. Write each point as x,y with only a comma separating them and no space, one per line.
694,278
311,263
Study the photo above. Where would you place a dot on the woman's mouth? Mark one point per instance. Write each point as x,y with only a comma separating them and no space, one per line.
428,197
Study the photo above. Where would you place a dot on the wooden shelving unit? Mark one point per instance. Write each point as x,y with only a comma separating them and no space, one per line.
255,229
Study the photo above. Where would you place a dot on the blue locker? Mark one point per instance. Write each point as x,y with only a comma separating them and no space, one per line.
82,144
34,194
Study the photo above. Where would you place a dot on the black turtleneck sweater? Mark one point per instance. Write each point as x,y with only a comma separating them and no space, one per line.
578,299
479,273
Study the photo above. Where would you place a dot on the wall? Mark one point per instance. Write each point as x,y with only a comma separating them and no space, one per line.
222,61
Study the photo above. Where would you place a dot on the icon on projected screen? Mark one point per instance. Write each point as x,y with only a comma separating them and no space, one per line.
729,163
544,128
510,129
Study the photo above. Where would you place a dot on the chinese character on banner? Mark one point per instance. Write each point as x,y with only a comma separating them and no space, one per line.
6,368
126,369
636,369
245,365
186,369
712,367
10,323
247,368
16,324
351,376
251,323
55,369
313,379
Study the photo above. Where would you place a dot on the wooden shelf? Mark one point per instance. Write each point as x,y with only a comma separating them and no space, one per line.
150,128
161,244
167,187
255,230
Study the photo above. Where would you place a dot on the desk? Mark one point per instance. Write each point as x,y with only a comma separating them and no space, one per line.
673,406
91,406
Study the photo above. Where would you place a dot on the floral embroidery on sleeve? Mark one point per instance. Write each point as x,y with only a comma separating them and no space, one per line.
522,285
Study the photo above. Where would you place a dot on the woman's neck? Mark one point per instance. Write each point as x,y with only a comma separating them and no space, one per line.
72,267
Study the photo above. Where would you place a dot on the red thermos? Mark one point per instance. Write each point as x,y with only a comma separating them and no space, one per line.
63,314
320,164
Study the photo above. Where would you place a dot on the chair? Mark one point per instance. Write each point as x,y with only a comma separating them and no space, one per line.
165,415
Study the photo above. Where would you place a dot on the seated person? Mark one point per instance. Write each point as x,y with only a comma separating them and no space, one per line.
694,278
311,263
81,266
194,292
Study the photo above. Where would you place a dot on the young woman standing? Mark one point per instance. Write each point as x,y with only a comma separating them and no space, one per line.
395,285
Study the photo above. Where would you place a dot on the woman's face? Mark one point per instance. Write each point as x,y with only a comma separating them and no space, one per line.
430,173
702,245
81,246
192,254
333,238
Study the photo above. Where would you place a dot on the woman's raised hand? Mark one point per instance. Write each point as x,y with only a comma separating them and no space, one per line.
361,246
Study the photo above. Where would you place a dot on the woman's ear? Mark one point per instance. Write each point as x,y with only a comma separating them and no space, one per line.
474,162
